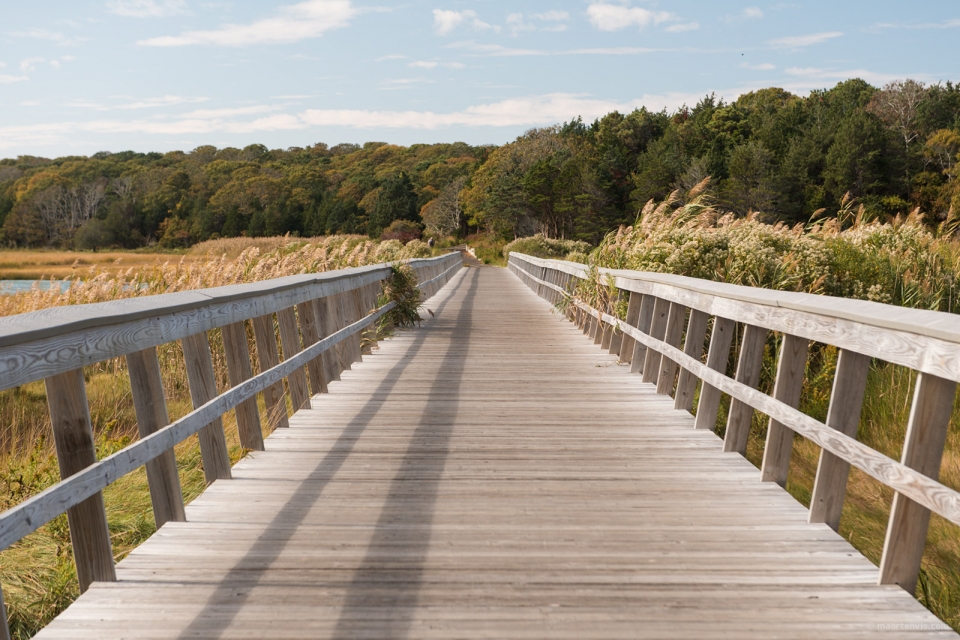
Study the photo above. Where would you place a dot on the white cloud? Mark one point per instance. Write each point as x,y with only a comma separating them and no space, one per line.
752,13
148,8
432,64
2,64
55,64
445,21
765,66
68,58
392,56
517,23
614,17
946,24
133,104
30,64
552,16
296,22
495,50
793,42
7,79
683,26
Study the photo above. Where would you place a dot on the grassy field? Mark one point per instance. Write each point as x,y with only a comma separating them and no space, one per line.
34,264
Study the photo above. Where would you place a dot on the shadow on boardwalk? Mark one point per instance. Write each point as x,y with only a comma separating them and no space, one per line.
212,620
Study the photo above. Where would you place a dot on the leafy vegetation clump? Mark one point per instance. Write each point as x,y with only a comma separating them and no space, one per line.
401,288
541,246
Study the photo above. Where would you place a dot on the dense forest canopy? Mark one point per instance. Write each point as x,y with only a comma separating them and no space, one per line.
893,149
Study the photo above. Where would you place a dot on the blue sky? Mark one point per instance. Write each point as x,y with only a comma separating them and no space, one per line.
81,76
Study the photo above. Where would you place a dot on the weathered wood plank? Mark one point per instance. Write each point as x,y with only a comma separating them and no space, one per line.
290,342
693,347
236,351
787,389
150,405
268,355
718,355
76,451
203,389
672,336
846,402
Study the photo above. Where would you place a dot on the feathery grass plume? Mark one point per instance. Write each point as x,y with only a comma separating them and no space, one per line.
400,287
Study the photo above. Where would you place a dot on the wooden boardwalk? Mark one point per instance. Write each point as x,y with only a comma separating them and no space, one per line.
494,475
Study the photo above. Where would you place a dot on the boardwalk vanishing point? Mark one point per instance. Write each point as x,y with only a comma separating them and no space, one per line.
494,474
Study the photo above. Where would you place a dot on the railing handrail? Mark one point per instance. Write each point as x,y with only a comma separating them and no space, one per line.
923,340
39,344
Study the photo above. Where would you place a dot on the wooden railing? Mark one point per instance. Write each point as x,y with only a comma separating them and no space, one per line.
319,319
664,311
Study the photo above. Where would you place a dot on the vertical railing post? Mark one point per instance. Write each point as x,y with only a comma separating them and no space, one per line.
616,336
149,403
923,450
672,336
846,403
310,328
4,620
749,365
76,450
268,357
639,357
290,342
787,389
718,355
327,317
693,347
633,314
203,388
237,354
658,329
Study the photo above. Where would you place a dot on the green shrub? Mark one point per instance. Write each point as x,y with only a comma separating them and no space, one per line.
543,247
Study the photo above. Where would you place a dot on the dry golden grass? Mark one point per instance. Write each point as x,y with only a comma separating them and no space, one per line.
36,264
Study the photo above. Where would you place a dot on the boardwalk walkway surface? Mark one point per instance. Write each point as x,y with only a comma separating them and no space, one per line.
494,475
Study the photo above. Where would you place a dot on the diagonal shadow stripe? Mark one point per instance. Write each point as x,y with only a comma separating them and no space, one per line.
214,619
384,581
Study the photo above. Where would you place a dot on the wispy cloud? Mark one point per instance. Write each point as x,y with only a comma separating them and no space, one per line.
795,42
8,79
683,26
129,103
946,24
817,75
445,21
293,23
30,64
750,13
764,66
495,50
614,17
148,8
433,64
548,21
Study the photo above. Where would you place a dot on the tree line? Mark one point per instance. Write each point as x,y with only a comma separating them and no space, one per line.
786,157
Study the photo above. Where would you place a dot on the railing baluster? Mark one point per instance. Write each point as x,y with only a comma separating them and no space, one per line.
658,328
674,332
633,315
693,347
787,389
149,403
923,450
76,450
203,388
310,328
4,620
717,357
846,402
290,342
327,315
644,320
749,365
268,356
239,370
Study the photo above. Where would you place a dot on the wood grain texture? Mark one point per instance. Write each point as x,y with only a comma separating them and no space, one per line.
633,315
4,627
718,355
427,496
672,336
933,400
749,365
76,451
787,389
328,326
237,354
150,405
310,330
658,328
639,358
203,389
846,402
290,342
268,355
693,347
